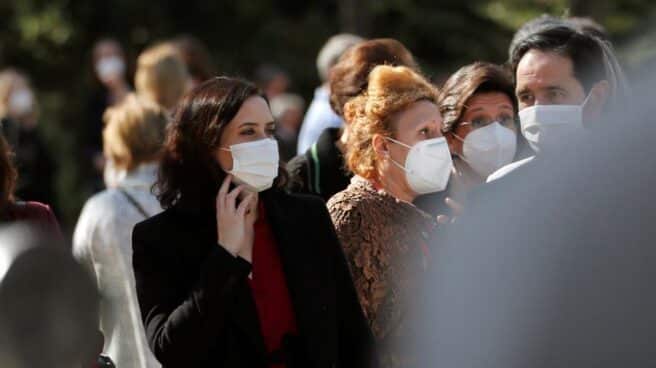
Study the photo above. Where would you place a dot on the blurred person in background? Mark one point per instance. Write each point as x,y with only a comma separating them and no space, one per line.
320,115
110,72
397,151
133,139
322,169
287,109
565,80
18,121
13,210
226,275
162,76
271,79
196,57
48,304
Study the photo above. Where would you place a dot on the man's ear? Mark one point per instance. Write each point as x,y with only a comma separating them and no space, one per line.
597,100
379,143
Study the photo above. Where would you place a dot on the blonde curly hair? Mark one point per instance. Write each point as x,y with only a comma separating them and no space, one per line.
390,90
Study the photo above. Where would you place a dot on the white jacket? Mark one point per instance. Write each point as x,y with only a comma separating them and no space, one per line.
102,242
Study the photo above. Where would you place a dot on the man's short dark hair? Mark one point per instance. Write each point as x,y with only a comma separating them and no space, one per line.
584,50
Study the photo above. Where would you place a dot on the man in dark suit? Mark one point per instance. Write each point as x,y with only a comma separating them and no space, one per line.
557,268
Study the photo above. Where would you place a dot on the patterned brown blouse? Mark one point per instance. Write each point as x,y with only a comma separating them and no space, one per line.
385,242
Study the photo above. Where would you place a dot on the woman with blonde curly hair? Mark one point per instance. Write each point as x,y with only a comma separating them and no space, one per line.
397,152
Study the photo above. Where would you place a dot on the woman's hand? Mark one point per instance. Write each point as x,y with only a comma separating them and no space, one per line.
234,222
455,208
456,211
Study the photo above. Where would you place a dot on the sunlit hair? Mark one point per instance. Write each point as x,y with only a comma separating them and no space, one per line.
390,90
134,132
161,75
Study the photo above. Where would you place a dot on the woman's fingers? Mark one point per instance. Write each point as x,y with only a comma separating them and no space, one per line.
244,205
456,207
442,219
231,198
223,191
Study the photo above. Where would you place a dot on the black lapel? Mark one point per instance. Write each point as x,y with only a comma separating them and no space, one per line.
243,311
285,230
297,259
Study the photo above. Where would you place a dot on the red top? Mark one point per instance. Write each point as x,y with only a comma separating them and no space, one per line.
269,287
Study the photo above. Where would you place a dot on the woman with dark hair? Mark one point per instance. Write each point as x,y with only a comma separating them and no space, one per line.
36,214
235,272
479,109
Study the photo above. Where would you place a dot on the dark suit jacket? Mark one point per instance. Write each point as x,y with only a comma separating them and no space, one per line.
197,307
321,170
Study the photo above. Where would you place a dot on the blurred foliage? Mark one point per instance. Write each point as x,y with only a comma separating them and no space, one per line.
51,40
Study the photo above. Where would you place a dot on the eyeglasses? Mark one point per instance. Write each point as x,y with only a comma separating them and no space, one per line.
507,121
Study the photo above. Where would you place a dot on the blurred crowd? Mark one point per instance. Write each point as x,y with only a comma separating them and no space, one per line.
235,224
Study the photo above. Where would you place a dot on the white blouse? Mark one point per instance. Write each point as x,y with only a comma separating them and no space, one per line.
103,242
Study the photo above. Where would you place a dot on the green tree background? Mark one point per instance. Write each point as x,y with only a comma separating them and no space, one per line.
51,40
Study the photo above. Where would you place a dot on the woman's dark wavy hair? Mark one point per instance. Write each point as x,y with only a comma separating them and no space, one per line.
189,175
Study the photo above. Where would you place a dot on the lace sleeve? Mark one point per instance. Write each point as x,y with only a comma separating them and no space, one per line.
366,258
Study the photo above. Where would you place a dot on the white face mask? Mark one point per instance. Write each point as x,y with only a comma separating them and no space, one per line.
21,102
110,67
428,165
489,148
545,126
255,164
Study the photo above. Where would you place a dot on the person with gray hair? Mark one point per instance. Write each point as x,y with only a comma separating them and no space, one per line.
320,115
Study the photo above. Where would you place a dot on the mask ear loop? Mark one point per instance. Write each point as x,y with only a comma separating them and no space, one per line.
233,159
462,157
454,135
398,142
587,98
584,104
387,154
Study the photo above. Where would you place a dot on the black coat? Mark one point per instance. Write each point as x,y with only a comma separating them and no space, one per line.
321,170
197,307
